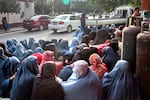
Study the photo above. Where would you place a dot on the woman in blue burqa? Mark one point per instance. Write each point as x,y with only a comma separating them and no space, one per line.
10,46
23,81
120,83
19,51
74,43
8,67
110,54
31,42
83,84
63,50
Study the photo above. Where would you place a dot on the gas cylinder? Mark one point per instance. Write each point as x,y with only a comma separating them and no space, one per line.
128,51
145,4
143,63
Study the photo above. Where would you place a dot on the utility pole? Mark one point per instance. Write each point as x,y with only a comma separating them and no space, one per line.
53,6
42,6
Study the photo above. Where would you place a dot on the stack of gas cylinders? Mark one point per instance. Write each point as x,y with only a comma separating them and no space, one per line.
136,50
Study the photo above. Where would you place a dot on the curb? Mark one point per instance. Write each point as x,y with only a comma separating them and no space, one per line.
11,30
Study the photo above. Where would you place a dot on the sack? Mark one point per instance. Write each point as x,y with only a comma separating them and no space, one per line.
8,25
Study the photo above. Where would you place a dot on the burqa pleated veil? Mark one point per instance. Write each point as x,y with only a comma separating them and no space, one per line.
120,83
23,81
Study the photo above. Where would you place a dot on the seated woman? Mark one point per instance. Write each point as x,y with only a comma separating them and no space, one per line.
45,86
23,81
66,72
83,84
6,52
74,43
97,65
10,46
120,83
110,55
49,56
63,50
8,67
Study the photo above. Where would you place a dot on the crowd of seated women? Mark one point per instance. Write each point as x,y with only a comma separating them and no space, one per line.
67,70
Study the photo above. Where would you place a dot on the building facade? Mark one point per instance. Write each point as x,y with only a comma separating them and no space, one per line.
27,10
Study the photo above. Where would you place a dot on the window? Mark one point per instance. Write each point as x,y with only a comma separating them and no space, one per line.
73,18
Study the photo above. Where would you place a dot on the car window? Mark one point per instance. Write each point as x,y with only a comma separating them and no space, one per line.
49,18
73,18
42,18
61,17
45,17
34,18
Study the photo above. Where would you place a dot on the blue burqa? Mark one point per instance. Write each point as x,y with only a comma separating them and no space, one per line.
24,43
120,83
63,48
23,81
31,42
85,88
8,66
10,46
109,57
19,51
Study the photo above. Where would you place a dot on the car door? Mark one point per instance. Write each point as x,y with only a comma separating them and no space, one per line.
47,20
44,21
74,21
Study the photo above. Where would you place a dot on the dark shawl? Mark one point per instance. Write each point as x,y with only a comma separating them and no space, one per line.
6,52
45,86
101,37
47,89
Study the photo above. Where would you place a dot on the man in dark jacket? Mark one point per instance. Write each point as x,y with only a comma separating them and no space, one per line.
82,20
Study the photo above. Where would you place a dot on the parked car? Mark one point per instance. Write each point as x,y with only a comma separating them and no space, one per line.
39,22
64,22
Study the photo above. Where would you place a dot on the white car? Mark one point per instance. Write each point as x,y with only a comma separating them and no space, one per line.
65,22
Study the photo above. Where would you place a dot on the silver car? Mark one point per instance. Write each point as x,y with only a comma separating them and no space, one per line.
64,22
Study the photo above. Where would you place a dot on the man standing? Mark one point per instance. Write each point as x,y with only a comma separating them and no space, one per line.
4,21
82,20
134,19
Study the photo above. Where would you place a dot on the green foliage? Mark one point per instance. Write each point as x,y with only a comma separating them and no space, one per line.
109,5
60,7
86,7
9,6
43,7
135,3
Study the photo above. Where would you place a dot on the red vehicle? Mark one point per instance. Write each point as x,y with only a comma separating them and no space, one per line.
39,22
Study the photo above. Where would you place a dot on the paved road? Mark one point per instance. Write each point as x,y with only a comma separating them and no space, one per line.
24,34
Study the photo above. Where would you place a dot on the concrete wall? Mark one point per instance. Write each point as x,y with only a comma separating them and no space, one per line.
26,8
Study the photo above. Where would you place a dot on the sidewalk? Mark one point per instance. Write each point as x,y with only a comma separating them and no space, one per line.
12,30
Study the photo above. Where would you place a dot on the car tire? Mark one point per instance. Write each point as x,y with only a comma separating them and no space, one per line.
41,28
55,30
69,29
29,29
